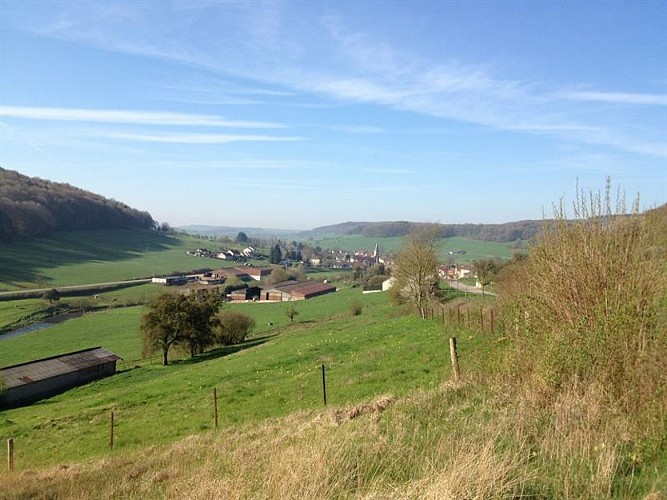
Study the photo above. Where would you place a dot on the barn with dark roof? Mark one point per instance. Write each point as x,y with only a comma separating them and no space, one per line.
292,290
29,382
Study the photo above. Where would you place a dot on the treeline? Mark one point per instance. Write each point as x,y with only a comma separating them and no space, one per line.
511,231
31,206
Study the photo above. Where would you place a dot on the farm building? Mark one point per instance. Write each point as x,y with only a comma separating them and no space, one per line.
258,273
291,290
249,293
169,280
29,382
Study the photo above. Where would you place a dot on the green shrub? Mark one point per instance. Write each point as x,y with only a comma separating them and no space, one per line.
356,307
234,327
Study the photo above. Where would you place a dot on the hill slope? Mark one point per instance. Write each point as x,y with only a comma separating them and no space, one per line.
31,206
510,231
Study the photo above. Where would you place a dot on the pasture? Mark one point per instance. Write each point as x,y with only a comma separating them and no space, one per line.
274,373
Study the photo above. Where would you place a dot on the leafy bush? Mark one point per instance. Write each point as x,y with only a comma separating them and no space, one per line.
356,307
234,327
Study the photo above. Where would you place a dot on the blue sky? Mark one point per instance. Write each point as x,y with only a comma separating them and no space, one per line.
299,114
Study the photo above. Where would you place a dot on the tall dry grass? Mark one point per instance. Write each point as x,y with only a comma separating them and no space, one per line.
417,447
588,305
455,441
586,314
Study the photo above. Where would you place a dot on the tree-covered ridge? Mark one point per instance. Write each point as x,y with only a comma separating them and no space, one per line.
31,206
511,231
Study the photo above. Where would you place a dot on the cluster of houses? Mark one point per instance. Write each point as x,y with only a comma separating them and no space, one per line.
342,259
225,254
455,271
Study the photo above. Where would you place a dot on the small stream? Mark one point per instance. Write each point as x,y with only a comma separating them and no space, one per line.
40,325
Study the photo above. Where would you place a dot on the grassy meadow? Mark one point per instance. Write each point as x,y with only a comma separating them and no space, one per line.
79,258
273,374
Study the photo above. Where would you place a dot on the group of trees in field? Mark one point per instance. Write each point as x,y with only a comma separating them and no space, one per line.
192,322
36,207
293,252
372,277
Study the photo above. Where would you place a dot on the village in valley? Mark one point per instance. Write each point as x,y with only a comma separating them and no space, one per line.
285,279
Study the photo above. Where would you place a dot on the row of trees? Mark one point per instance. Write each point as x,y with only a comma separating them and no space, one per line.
192,322
36,207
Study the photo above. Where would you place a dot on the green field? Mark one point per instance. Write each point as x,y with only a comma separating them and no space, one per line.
475,249
79,258
19,313
273,374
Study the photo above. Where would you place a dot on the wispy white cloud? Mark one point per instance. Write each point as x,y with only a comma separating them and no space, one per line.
184,138
237,164
264,45
391,171
359,129
129,116
616,98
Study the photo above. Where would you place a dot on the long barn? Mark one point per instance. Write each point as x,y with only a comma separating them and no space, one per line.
292,290
29,382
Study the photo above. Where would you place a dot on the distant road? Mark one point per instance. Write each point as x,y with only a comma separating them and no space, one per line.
467,288
73,288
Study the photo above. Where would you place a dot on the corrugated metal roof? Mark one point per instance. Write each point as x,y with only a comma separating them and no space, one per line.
310,288
305,287
279,286
42,369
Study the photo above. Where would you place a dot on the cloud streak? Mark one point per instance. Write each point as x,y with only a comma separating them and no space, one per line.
130,116
198,138
617,98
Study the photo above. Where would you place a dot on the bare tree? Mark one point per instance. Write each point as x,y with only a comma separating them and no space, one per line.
417,270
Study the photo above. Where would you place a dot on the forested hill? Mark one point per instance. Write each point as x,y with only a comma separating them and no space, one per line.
31,206
510,231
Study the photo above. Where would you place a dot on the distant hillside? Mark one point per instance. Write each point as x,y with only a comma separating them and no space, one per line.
511,231
233,231
30,206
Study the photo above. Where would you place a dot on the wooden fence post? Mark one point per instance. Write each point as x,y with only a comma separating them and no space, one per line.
458,314
10,454
215,407
111,426
481,318
492,322
453,354
324,386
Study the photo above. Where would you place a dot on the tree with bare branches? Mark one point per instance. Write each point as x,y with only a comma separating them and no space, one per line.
416,270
